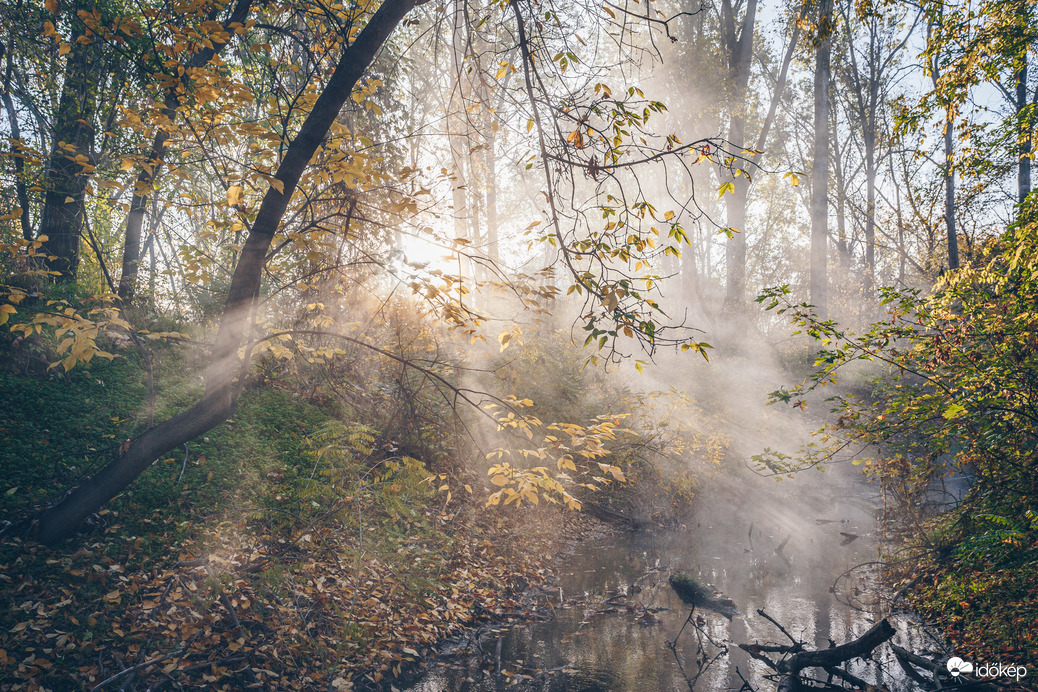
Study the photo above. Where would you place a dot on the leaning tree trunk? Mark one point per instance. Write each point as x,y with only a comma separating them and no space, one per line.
828,658
218,403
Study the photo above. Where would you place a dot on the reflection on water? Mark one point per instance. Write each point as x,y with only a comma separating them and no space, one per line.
780,550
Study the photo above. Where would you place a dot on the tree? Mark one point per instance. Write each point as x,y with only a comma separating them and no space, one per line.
948,169
71,159
868,80
222,384
279,146
988,45
176,92
738,47
820,157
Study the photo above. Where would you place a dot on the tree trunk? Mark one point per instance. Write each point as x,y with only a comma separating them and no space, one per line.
69,166
739,47
493,252
1023,122
820,165
871,164
458,138
134,456
843,246
19,161
949,168
736,203
949,194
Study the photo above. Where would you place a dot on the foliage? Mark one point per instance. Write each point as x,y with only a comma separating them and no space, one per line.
567,447
956,405
285,536
981,47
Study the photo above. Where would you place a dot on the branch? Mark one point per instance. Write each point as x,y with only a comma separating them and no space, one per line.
133,669
827,658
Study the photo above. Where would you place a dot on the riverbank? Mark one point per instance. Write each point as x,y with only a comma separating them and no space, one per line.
987,608
273,553
313,613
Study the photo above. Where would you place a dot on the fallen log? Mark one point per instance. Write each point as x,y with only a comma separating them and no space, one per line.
691,593
827,658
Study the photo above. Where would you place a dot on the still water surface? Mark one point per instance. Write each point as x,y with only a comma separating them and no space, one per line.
779,547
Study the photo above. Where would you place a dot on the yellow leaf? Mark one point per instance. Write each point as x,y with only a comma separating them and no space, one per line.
278,185
52,6
69,199
499,480
501,73
529,124
503,338
64,48
234,195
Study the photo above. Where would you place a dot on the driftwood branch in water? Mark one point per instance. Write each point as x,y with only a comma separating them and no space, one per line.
909,662
826,659
781,629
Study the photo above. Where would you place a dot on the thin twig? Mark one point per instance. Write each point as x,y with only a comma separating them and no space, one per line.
133,669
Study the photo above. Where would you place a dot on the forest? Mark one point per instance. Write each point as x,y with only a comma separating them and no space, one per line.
471,345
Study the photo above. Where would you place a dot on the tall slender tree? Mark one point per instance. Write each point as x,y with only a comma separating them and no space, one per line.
820,159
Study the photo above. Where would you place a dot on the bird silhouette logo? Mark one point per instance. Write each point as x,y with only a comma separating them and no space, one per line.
957,667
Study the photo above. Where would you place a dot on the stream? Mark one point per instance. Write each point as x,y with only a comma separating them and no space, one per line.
779,547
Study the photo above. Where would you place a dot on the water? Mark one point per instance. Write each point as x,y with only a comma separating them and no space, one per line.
778,547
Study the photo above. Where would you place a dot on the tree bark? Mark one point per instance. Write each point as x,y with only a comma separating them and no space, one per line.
1023,118
949,194
820,165
69,165
949,167
218,403
19,162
